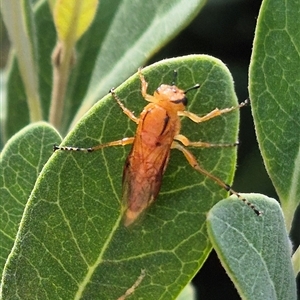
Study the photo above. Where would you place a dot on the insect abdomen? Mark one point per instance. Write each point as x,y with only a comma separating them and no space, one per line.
147,160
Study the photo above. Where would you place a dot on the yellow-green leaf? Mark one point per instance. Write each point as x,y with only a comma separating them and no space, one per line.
52,4
72,18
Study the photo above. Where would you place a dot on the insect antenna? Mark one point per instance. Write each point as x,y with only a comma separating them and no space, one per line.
196,86
174,77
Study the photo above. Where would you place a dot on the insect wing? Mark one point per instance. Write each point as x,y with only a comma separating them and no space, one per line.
142,178
147,160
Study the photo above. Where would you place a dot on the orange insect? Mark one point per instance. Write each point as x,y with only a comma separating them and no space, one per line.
158,132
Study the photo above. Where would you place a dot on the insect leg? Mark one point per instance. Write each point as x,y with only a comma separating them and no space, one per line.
121,142
186,142
144,83
215,113
126,111
193,162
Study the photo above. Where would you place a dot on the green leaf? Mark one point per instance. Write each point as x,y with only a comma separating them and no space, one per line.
72,242
18,19
21,161
15,98
255,251
3,92
17,118
47,39
275,90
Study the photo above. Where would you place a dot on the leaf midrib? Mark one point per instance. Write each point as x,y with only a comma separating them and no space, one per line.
99,260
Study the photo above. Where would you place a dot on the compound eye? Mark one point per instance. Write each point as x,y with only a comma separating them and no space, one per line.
184,101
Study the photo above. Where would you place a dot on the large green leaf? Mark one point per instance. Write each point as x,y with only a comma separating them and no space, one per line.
275,93
21,161
255,251
72,242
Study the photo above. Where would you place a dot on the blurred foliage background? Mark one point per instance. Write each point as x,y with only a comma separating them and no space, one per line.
224,29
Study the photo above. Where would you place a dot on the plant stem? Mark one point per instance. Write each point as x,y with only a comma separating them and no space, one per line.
62,58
